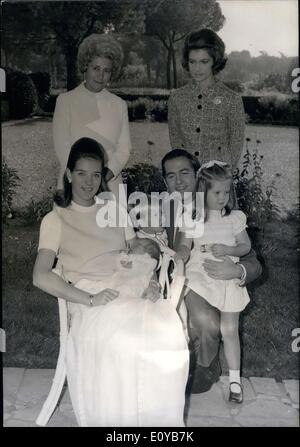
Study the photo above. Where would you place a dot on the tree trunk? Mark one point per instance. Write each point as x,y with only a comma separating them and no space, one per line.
148,67
169,58
71,64
175,82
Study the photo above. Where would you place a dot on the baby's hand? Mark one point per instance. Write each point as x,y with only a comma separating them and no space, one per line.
219,250
104,297
126,264
152,292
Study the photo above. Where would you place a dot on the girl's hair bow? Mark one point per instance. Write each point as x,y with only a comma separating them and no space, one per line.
210,164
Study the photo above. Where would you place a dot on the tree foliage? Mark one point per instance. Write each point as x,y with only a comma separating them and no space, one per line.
66,23
171,20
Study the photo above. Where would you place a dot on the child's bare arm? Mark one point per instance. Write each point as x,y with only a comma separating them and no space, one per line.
242,247
184,246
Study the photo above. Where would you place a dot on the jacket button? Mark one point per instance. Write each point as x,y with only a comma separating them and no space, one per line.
199,106
196,154
219,148
198,129
200,96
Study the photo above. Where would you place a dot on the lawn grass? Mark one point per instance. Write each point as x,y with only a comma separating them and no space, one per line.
27,146
31,316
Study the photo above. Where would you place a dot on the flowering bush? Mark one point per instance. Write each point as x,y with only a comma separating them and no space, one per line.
253,199
10,181
143,177
36,210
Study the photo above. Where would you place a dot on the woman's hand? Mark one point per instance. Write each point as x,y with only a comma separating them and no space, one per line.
152,292
104,297
219,250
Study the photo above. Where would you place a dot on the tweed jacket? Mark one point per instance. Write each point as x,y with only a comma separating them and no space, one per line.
210,124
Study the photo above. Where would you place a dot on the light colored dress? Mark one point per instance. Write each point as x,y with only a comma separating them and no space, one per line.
127,361
226,295
102,116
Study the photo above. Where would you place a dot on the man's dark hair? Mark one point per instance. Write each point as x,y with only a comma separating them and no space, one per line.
176,153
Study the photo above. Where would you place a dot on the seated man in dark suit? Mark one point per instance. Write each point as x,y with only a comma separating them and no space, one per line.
179,170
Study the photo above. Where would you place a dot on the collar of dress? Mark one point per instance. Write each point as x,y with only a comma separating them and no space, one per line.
195,87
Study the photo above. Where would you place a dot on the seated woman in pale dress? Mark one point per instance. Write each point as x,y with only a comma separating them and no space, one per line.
127,356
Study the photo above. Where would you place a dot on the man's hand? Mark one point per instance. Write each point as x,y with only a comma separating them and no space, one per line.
225,269
152,292
219,250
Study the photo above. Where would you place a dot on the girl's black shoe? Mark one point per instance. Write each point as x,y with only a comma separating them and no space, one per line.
236,397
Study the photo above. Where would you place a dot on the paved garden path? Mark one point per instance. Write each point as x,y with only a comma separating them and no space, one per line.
267,403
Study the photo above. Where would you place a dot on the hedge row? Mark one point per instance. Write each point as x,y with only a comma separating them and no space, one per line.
26,93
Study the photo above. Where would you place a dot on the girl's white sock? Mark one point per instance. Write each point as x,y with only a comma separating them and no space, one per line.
234,376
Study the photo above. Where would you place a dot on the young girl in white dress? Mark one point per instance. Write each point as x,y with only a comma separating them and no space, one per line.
224,234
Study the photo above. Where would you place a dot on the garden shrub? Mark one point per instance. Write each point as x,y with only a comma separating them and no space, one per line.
36,210
143,177
10,181
49,104
236,86
4,110
21,95
42,82
253,199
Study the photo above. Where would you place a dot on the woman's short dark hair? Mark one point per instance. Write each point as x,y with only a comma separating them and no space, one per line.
82,148
211,42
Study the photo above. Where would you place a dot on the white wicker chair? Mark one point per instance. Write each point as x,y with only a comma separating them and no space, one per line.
174,294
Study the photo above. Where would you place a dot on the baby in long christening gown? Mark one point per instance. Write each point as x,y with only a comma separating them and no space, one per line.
130,356
128,272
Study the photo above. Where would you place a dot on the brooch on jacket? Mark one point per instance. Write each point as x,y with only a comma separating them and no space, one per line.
217,100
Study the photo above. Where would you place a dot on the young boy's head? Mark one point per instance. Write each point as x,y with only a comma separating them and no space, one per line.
143,246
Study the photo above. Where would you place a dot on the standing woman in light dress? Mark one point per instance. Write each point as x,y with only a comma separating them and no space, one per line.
206,118
90,110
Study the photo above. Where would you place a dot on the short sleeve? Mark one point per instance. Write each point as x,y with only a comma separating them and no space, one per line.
239,221
50,232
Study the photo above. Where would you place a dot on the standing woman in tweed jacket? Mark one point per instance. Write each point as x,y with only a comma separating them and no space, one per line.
206,118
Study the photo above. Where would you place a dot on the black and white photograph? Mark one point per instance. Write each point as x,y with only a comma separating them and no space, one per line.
150,215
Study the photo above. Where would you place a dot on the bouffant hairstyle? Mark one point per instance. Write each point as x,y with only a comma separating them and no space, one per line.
211,42
205,178
100,45
82,148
